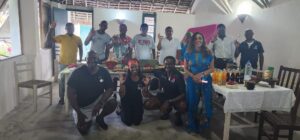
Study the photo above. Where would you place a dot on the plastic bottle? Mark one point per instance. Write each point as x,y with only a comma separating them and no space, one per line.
248,71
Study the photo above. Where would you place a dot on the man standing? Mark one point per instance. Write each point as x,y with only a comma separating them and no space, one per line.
168,46
100,41
121,43
89,92
251,50
68,51
223,48
143,44
172,91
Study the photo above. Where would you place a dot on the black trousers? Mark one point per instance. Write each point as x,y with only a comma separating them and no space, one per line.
132,111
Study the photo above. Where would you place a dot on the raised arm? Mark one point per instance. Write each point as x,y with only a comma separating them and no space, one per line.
90,36
50,34
80,51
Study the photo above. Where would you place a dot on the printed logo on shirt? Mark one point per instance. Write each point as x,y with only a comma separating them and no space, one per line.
255,47
143,42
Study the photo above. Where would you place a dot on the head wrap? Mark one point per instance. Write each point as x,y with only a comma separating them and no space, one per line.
133,61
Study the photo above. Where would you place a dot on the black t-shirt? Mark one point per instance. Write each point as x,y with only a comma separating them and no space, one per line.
133,89
89,86
173,85
250,53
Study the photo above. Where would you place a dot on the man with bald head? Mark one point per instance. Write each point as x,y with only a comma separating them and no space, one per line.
89,93
251,50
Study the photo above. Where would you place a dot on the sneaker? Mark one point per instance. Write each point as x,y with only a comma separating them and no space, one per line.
101,123
61,102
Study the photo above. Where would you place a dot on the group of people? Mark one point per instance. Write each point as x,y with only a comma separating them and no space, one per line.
90,87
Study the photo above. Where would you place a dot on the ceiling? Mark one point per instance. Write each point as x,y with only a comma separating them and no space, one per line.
167,6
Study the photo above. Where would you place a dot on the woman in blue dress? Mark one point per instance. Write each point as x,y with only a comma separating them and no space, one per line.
198,64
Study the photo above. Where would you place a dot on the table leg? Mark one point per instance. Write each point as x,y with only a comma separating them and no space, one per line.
66,95
226,126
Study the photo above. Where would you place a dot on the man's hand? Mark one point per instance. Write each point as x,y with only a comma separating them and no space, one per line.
160,37
96,109
214,39
81,118
236,43
92,32
53,25
165,106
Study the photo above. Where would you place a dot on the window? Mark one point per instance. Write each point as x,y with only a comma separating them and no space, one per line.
10,42
150,19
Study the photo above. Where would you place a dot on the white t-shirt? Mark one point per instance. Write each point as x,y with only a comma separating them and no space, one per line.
143,46
168,48
223,48
99,42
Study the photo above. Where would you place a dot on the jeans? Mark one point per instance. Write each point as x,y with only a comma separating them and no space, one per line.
62,82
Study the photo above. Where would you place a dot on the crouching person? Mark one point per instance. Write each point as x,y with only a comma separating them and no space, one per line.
130,92
89,93
172,92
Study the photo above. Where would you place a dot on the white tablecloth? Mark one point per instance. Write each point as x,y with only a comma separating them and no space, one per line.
261,98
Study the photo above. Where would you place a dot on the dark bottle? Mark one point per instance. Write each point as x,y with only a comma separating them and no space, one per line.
237,77
228,77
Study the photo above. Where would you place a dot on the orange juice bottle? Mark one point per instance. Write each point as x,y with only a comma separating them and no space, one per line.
224,77
220,73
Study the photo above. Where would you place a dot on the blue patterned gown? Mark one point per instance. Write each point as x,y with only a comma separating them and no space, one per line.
197,64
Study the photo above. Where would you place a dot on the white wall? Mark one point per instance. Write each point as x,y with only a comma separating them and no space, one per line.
276,27
133,19
31,50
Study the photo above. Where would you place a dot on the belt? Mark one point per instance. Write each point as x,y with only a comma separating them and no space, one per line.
224,59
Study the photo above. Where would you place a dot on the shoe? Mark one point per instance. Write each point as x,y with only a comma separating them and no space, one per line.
101,122
164,116
61,102
178,121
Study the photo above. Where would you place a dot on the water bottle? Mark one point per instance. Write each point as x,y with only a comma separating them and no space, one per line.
248,71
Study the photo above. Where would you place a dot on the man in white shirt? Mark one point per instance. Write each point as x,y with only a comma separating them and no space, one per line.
223,48
101,41
168,46
143,44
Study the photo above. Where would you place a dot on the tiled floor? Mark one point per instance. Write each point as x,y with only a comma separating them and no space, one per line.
51,123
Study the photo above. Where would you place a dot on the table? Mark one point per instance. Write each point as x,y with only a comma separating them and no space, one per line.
261,98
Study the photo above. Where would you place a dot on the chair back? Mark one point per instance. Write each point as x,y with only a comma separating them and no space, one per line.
289,78
20,68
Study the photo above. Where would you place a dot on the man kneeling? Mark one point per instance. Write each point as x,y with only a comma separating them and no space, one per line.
89,91
172,91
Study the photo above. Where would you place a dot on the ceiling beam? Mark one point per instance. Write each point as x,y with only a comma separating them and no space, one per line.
259,3
220,7
228,6
177,6
264,3
164,6
194,5
223,4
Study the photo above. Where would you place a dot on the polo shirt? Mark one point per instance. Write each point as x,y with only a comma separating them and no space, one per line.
250,53
172,85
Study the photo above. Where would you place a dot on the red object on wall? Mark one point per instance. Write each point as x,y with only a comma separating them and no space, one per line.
208,31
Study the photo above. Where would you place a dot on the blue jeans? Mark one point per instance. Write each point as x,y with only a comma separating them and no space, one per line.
62,82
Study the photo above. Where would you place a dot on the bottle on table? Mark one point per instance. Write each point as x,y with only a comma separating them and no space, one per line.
248,71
